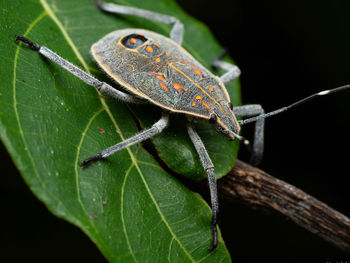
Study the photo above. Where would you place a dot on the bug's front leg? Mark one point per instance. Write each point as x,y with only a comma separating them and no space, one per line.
84,76
209,168
158,127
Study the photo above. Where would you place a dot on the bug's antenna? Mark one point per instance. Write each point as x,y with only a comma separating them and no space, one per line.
299,102
239,137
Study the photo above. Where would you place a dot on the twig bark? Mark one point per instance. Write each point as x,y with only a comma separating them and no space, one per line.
258,189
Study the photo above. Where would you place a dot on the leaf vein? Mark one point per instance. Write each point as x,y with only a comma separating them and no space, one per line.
122,210
83,135
170,248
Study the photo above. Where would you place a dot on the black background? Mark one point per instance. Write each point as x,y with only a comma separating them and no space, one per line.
286,50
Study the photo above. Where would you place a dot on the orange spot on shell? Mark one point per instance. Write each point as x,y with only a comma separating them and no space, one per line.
141,35
182,61
160,77
198,97
206,105
157,60
149,49
167,53
177,86
197,71
132,40
156,44
211,88
165,87
193,104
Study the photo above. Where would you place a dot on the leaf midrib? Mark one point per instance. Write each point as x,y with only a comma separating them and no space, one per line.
52,15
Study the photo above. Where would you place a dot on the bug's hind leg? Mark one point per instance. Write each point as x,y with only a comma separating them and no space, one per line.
84,76
233,71
176,33
209,168
258,143
158,127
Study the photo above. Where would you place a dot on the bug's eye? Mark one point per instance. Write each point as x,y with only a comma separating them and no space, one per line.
230,106
133,40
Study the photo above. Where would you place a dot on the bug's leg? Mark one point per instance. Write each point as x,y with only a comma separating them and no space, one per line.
233,71
158,127
258,143
209,168
84,76
176,33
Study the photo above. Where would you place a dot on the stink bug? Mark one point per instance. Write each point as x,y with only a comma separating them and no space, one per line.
157,69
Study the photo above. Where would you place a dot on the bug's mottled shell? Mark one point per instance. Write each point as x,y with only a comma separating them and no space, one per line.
160,71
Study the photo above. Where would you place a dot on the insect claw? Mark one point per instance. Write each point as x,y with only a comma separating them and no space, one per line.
214,231
87,161
31,44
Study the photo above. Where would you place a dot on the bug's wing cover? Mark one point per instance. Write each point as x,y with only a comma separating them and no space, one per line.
168,76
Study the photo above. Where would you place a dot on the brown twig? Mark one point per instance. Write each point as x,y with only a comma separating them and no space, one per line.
258,189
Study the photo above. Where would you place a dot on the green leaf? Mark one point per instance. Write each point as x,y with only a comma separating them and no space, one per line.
50,121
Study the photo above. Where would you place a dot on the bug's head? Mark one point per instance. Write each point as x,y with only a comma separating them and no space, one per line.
224,120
